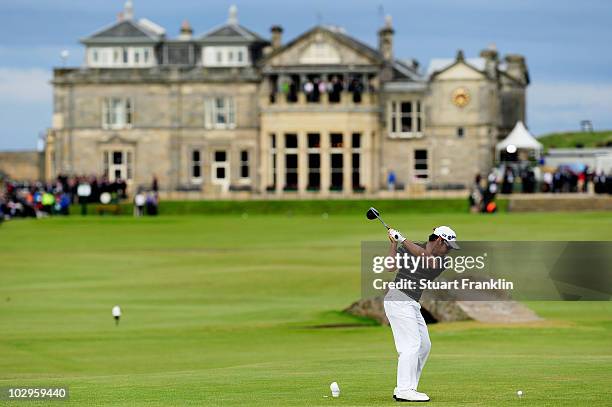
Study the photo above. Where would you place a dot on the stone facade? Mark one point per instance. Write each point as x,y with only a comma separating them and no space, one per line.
21,165
322,115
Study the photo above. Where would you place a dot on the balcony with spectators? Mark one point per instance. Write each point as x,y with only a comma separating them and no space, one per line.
322,88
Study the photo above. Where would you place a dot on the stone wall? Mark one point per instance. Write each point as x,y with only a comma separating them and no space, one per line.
559,202
167,125
21,165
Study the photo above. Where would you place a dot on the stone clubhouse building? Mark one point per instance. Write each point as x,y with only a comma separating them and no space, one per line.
231,113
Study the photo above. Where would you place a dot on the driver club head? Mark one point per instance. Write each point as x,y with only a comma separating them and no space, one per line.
372,213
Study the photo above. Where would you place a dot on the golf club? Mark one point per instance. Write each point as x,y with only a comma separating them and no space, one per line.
372,214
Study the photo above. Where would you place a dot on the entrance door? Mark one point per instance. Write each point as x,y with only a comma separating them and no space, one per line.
118,164
220,169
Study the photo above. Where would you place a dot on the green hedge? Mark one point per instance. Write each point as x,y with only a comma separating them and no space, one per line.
306,207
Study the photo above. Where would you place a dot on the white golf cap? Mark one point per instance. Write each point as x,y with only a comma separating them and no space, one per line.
447,234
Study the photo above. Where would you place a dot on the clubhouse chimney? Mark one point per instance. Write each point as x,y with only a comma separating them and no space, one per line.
516,67
277,36
385,39
491,60
186,31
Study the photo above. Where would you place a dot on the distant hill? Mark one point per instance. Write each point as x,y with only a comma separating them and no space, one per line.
577,139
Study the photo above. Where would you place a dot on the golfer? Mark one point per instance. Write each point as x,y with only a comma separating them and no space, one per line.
404,311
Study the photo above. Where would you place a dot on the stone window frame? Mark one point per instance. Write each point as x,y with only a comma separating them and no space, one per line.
128,155
395,114
272,162
193,163
356,150
460,132
211,112
315,150
418,173
127,111
244,163
291,151
225,181
337,150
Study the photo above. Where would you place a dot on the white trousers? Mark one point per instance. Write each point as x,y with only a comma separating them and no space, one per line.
411,339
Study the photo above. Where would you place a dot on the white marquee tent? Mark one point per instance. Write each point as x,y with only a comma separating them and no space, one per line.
520,139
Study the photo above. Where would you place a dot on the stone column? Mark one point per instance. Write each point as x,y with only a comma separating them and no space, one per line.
346,98
302,162
280,162
263,156
281,98
263,96
347,163
366,159
67,140
325,164
324,100
276,89
301,97
267,170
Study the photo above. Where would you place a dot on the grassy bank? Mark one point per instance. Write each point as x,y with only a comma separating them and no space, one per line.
577,139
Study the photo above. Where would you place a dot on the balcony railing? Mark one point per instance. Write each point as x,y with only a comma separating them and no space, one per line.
341,99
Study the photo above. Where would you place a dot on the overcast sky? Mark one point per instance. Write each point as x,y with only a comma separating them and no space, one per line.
566,43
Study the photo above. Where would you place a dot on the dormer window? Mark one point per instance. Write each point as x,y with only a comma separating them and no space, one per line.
129,43
120,57
222,56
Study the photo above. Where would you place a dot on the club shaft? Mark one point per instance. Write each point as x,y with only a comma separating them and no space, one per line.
383,222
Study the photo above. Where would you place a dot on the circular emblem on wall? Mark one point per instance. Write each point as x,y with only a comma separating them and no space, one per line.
461,97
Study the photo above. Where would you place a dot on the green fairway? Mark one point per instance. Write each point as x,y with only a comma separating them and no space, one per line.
226,310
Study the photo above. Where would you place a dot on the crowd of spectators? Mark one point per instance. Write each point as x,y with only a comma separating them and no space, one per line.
313,87
483,193
147,202
563,179
39,199
528,180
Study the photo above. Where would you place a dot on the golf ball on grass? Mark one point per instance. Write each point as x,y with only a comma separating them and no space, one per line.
116,314
519,393
335,389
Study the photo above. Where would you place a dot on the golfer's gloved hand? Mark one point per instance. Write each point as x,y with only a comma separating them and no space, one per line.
396,236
